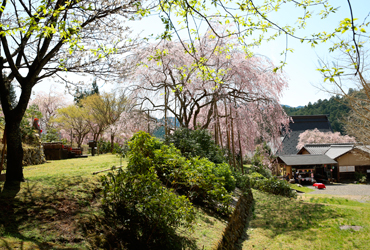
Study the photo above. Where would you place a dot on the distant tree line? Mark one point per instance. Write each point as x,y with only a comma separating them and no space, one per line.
336,108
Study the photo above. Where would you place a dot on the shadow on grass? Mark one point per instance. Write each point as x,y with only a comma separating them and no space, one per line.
282,215
104,233
43,215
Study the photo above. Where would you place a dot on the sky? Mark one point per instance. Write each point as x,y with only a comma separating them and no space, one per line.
301,69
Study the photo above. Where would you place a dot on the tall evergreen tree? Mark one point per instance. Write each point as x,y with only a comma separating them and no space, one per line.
12,96
82,93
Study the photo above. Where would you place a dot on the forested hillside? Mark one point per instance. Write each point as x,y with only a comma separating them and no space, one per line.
335,108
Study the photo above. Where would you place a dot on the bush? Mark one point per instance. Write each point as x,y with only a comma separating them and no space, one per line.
193,143
242,181
274,186
222,170
262,159
51,135
205,182
141,152
257,181
28,134
105,147
141,209
201,180
360,177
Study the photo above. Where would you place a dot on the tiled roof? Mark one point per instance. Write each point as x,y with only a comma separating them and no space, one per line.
303,160
300,124
338,150
319,150
364,148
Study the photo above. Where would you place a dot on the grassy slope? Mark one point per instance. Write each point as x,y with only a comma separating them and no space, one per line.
310,222
46,212
59,195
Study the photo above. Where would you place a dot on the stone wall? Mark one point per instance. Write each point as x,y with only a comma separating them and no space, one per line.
237,223
33,156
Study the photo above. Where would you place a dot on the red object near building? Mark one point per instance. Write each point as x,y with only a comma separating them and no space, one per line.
319,186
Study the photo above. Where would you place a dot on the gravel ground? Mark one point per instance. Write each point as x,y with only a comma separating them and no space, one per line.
351,191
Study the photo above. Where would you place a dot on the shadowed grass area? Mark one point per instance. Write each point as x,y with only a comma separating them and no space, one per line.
61,198
45,213
310,222
207,230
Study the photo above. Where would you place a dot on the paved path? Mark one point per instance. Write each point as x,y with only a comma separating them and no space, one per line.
353,191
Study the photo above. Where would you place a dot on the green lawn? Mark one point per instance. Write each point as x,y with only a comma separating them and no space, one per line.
57,196
60,197
310,222
302,189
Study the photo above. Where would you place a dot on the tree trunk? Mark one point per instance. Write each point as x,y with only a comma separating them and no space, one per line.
165,111
227,135
232,138
241,153
111,143
14,169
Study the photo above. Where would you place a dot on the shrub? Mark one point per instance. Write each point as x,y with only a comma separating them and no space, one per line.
206,183
274,186
360,177
257,181
198,178
29,135
141,209
51,135
223,170
193,143
141,152
105,147
242,181
262,160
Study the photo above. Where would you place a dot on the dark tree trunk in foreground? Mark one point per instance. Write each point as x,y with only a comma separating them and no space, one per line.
13,118
14,167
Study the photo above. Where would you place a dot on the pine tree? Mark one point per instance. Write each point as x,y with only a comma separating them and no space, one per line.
83,93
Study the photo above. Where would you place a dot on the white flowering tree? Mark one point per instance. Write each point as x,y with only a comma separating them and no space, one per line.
318,137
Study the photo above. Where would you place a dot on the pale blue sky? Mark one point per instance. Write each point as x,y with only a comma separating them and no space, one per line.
301,69
302,64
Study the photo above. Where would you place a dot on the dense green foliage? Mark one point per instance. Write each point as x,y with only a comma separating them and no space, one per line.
149,200
270,185
51,135
274,186
142,211
105,147
336,108
360,177
201,180
194,143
